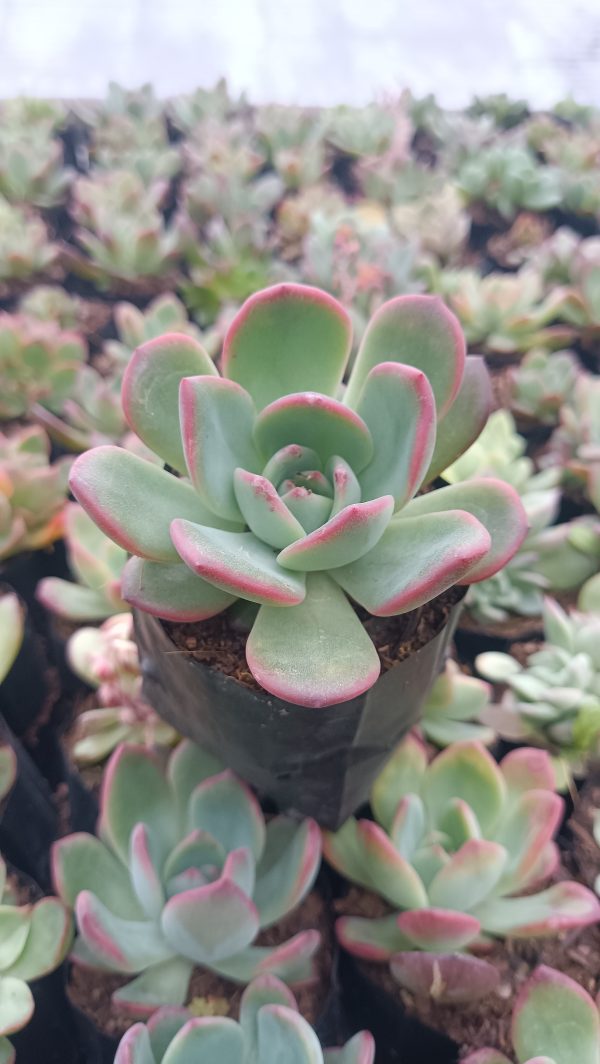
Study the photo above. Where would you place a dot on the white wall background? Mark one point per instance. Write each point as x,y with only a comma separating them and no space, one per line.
307,51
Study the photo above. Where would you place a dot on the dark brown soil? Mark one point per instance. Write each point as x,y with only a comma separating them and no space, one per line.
91,990
583,850
216,644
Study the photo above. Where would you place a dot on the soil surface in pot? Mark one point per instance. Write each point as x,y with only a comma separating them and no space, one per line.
91,990
487,1022
218,645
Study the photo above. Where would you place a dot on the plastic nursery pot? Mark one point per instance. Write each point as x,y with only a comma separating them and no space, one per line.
313,762
400,1038
52,1035
28,820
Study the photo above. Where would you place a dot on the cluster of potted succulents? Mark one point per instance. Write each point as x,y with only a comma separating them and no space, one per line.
299,582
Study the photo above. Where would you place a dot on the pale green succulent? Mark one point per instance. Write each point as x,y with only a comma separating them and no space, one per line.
25,248
38,364
437,222
575,445
508,178
542,382
453,706
32,492
52,303
133,326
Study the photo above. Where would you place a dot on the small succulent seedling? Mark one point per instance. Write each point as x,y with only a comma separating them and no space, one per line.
295,498
554,699
38,364
96,563
185,872
554,1022
35,939
107,659
48,302
542,383
32,492
452,708
32,170
270,1031
25,248
459,850
164,314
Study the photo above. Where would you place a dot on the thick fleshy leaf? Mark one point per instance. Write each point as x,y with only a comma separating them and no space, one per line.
465,419
416,559
459,823
343,539
417,331
310,509
316,654
197,850
346,489
264,990
264,511
449,978
134,1047
12,627
134,790
150,391
285,1035
188,766
469,772
217,420
120,945
315,421
145,872
16,1005
469,876
14,929
525,833
82,862
496,666
210,923
133,501
562,906
289,461
171,591
402,775
226,808
438,930
285,339
408,826
359,1050
554,1016
211,1038
287,868
362,852
398,407
526,769
237,562
72,601
493,1056
373,940
494,503
50,933
161,984
8,1055
292,961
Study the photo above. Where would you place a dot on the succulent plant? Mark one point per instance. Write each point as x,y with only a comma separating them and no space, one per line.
575,444
191,110
30,112
35,939
121,229
12,627
107,659
185,872
458,850
32,170
361,131
96,563
140,104
453,706
294,140
503,313
542,382
437,222
270,1030
554,1022
52,303
124,142
32,492
90,415
310,499
133,326
554,699
508,178
25,248
505,111
581,299
38,364
8,774
520,244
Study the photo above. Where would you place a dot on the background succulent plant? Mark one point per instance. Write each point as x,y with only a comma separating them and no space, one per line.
508,178
32,167
575,445
457,848
107,659
554,1022
133,326
310,499
453,706
554,699
185,872
542,382
26,250
35,939
32,492
270,1029
38,363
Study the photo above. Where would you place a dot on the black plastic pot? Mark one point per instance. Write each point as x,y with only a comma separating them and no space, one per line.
400,1038
28,820
52,1035
313,762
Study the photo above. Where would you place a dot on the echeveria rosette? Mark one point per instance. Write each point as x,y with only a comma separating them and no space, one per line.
459,850
184,872
555,1021
35,940
292,497
270,1030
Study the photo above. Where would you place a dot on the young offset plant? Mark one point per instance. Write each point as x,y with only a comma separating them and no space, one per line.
25,248
96,563
542,383
554,699
459,850
554,1022
107,659
32,492
297,499
185,872
38,364
453,707
35,940
270,1031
